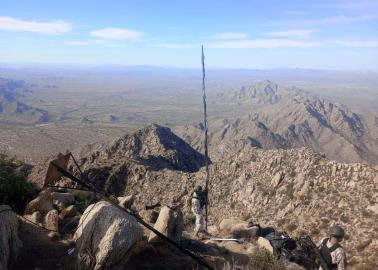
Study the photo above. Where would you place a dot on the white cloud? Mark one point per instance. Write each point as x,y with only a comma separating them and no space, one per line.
358,43
229,35
107,43
264,44
180,46
117,34
100,41
55,27
326,21
342,19
75,43
292,33
248,44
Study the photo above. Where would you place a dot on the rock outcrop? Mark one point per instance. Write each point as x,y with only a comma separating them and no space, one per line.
51,221
43,203
311,194
60,198
170,223
105,237
154,147
127,201
295,190
10,244
238,229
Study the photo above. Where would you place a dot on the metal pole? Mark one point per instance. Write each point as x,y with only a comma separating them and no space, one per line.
206,150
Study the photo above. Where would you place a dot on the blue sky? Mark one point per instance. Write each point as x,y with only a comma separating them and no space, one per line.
338,34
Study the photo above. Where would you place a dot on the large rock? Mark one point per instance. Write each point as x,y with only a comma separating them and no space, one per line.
52,220
170,223
373,208
242,231
234,247
127,201
43,203
264,243
10,244
36,217
63,198
238,229
105,236
226,225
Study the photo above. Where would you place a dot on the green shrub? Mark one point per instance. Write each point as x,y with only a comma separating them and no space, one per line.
292,173
232,205
189,219
83,199
291,227
15,190
289,192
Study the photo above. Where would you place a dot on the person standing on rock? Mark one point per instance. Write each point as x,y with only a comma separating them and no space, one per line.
331,250
198,203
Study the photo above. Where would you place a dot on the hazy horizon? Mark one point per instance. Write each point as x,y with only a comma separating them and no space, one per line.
19,65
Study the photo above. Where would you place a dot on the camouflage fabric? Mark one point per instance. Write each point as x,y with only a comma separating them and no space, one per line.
198,212
338,257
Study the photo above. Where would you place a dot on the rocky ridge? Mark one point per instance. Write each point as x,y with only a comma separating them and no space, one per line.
278,117
295,190
154,147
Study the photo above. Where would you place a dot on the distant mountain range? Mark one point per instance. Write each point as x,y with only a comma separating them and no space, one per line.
12,111
280,118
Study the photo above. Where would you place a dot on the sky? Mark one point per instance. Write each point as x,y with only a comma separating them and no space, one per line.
332,34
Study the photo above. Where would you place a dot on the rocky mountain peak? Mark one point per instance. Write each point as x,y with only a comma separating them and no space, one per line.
279,117
111,166
264,92
157,145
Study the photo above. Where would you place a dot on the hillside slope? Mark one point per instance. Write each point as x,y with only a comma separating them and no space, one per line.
296,190
13,111
281,118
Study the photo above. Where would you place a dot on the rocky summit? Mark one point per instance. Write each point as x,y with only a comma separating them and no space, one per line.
295,190
154,147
